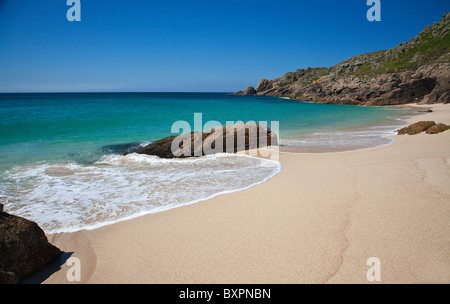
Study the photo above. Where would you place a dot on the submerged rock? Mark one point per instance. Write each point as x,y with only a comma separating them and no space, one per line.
24,248
120,148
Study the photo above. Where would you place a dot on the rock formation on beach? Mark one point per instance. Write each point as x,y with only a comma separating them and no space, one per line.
414,71
430,127
24,248
438,128
416,128
245,137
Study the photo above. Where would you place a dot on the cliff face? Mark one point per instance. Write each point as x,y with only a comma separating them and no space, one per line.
415,71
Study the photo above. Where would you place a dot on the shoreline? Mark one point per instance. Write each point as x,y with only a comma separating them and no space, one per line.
282,149
70,224
168,207
342,148
315,222
407,120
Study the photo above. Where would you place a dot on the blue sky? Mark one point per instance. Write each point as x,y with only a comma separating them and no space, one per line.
190,45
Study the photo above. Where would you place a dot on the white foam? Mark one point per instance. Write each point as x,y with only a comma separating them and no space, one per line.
145,143
356,139
72,197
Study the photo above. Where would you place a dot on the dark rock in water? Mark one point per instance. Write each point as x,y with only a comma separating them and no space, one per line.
439,128
161,148
416,128
24,248
427,111
120,148
223,139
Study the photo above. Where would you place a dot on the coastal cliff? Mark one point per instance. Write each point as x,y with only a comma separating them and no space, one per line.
415,71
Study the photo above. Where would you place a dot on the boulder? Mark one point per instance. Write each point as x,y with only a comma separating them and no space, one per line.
439,128
160,148
24,248
416,128
244,137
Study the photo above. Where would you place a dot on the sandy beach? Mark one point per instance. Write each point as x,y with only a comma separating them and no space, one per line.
318,221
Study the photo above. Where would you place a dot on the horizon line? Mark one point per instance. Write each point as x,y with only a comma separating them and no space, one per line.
119,92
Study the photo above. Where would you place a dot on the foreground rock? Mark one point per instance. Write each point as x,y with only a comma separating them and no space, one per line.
223,139
416,128
416,71
24,248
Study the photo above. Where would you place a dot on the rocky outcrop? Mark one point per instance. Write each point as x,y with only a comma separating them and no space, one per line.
264,85
438,128
249,91
24,248
417,71
223,139
416,128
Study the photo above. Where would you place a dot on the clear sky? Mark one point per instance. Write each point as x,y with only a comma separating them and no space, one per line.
190,45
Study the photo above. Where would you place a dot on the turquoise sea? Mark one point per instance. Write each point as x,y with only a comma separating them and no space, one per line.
61,160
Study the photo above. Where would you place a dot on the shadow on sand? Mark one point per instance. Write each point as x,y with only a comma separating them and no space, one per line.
50,269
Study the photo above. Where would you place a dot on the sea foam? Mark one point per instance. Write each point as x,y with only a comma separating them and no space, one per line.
67,197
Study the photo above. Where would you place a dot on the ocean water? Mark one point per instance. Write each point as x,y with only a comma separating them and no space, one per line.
62,163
